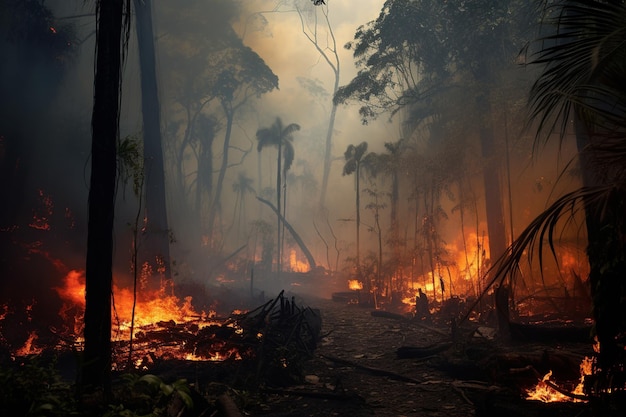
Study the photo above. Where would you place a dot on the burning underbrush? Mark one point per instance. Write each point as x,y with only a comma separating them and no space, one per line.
268,341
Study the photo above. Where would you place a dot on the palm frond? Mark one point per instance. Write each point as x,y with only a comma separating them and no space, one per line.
541,233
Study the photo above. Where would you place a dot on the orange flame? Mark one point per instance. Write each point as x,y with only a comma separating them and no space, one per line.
295,264
544,392
355,284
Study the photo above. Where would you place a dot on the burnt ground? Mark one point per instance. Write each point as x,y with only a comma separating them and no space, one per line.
352,334
356,371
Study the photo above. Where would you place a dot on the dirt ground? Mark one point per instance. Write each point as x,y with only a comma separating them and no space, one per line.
355,371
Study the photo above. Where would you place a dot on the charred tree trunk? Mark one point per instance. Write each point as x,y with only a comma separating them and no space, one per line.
216,203
607,261
156,249
491,176
95,371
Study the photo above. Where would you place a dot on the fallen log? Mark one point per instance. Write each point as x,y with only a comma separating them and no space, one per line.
388,315
310,394
373,371
406,352
547,333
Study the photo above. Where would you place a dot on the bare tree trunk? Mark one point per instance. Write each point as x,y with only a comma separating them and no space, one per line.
95,369
156,237
216,202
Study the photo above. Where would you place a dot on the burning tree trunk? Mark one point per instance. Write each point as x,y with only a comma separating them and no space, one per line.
96,364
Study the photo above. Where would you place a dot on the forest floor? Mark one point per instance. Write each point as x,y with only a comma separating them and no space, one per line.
384,386
356,371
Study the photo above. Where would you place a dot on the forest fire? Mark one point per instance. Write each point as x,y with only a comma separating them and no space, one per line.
163,327
547,391
355,284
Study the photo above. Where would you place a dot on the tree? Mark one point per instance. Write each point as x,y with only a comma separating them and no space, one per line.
212,76
330,55
417,53
96,364
319,33
242,186
156,234
37,52
354,157
582,60
281,137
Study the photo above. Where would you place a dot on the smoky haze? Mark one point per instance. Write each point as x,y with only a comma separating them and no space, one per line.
269,69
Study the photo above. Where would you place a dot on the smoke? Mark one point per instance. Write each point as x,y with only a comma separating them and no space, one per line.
50,109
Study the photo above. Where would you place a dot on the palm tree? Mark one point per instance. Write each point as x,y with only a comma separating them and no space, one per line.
582,79
281,137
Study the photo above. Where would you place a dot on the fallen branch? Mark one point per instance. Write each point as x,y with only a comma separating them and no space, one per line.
373,371
388,315
405,352
564,392
309,394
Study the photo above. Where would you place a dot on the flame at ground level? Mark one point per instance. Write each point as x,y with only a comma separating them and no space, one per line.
164,326
545,392
150,306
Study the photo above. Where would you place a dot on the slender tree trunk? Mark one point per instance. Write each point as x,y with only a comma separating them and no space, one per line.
217,198
156,249
493,192
278,185
95,369
358,224
328,147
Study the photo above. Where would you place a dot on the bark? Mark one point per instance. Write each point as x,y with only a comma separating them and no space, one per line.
157,229
96,363
605,251
491,176
216,203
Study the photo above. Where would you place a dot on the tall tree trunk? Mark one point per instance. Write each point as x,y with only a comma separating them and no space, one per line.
491,176
328,147
278,190
607,261
217,198
95,369
358,225
156,249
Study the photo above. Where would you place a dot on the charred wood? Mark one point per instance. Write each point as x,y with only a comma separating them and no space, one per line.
406,352
373,371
